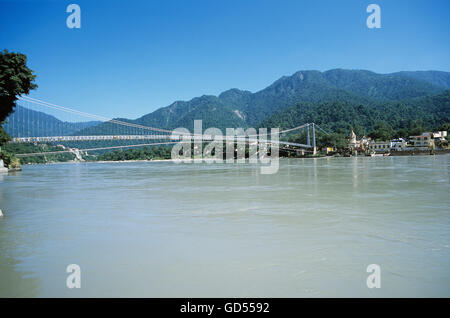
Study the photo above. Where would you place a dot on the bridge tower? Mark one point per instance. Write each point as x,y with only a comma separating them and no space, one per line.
314,139
308,137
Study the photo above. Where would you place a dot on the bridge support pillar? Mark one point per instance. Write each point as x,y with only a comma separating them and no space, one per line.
308,138
314,137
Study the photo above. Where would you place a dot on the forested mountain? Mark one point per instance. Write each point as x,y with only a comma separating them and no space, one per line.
238,108
356,98
410,115
25,122
437,78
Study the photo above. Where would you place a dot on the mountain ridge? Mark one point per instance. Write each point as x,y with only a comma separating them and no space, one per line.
241,108
301,86
319,81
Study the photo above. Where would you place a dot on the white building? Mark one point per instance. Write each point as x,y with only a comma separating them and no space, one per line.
424,140
398,144
379,146
440,135
355,144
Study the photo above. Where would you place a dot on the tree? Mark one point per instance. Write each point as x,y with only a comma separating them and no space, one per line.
4,137
416,127
15,79
383,131
333,140
5,156
444,127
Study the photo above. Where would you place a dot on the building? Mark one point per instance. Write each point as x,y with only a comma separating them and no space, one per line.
352,142
379,146
398,144
440,135
355,144
424,140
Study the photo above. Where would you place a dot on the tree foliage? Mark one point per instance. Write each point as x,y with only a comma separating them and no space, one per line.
145,153
13,149
383,120
4,137
15,79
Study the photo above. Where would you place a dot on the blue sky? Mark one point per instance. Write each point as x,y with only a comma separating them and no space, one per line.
132,57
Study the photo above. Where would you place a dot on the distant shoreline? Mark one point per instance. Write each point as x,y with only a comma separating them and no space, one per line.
173,160
101,161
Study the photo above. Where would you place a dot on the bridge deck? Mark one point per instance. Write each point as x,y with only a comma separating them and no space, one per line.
150,137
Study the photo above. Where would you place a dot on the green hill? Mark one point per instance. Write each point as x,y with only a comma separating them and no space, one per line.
430,112
238,108
438,78
300,97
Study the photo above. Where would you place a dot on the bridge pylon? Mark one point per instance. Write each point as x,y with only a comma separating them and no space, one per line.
314,139
308,136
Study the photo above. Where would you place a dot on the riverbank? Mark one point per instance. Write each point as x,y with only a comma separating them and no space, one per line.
392,154
420,152
100,161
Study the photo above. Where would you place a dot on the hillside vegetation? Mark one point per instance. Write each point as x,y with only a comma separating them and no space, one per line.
238,108
430,112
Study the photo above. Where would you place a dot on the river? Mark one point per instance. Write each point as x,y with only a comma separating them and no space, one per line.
160,229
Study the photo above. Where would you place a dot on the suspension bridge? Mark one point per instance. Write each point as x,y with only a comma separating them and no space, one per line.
37,121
